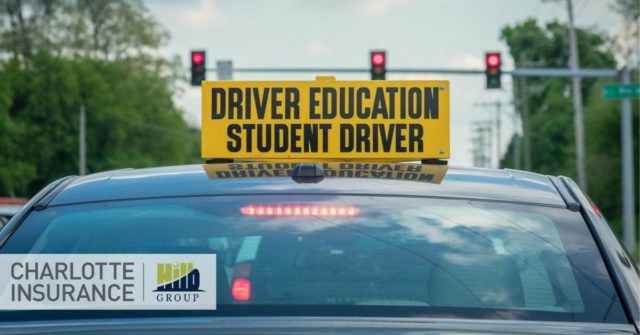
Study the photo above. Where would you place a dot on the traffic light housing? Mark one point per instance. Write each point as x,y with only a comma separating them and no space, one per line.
198,67
378,61
493,71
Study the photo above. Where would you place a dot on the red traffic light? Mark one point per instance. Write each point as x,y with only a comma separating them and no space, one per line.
377,58
198,67
197,58
493,63
493,60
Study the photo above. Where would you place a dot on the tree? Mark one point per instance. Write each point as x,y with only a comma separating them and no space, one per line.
107,29
551,110
58,55
626,42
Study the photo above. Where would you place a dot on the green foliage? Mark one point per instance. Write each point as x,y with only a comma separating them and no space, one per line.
109,29
131,119
551,110
98,60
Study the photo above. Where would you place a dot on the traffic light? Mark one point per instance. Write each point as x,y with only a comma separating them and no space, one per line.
198,67
378,65
493,62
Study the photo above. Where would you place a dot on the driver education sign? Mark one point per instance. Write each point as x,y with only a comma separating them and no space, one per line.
325,119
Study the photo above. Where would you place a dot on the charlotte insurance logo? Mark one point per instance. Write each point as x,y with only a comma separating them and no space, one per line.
107,281
177,282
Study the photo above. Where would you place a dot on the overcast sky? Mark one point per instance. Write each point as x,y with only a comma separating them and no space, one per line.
340,33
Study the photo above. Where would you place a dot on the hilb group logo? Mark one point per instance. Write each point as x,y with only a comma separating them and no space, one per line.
177,277
176,282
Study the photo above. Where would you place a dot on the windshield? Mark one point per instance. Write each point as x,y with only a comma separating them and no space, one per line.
346,255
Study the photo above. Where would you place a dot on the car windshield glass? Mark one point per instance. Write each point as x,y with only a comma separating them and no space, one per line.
348,255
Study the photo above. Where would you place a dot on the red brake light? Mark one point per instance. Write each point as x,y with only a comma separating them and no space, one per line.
596,210
377,59
493,60
299,210
197,58
241,289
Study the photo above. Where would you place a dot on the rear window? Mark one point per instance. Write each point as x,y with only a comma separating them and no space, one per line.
350,255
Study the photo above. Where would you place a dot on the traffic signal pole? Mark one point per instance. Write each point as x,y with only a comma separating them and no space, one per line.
628,202
520,72
578,115
82,141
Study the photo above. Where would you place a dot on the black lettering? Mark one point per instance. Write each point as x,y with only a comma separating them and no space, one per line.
310,138
431,103
281,135
414,167
400,137
239,174
275,103
235,103
410,176
248,137
264,137
313,103
342,98
415,103
392,101
415,138
261,104
346,138
374,145
218,103
295,137
247,100
403,103
292,102
325,136
362,93
362,137
329,103
386,137
348,113
379,105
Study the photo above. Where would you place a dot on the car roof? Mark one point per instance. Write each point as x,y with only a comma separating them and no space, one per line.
193,180
9,209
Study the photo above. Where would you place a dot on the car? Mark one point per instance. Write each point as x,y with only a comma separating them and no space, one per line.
8,208
342,248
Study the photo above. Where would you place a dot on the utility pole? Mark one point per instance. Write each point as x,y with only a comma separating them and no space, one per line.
482,143
628,202
516,141
488,138
498,131
526,129
574,64
498,126
82,144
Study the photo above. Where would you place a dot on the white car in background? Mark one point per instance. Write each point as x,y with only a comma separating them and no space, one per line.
8,208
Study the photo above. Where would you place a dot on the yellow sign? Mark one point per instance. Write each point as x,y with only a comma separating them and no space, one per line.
425,173
325,119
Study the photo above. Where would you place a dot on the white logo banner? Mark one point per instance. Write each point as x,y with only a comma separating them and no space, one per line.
107,281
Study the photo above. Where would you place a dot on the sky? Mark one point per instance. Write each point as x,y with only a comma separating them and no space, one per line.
340,33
